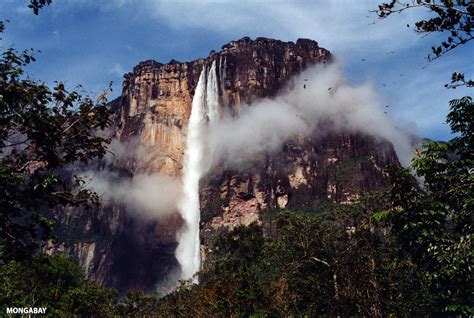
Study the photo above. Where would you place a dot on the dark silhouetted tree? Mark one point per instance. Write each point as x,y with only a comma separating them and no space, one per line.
455,18
43,132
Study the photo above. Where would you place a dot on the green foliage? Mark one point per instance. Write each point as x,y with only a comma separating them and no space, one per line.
331,262
43,132
212,209
408,254
53,282
345,170
89,300
404,253
434,224
48,278
136,303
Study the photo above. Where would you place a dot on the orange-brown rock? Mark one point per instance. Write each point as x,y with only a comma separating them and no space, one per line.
151,117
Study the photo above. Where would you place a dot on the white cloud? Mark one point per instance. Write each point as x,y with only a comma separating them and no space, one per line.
117,70
149,196
319,100
343,25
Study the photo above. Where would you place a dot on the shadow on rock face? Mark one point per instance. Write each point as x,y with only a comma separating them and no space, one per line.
144,254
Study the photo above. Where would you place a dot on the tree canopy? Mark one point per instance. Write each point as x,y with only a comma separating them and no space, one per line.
433,222
403,252
454,18
37,5
43,132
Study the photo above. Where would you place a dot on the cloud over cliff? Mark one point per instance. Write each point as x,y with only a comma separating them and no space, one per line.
144,195
318,101
316,97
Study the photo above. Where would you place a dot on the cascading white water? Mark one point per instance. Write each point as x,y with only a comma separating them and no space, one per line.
222,66
212,106
212,96
205,108
187,253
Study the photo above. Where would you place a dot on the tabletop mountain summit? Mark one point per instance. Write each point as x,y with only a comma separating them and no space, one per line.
119,248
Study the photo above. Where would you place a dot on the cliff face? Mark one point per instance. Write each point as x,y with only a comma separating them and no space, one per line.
151,117
156,99
308,170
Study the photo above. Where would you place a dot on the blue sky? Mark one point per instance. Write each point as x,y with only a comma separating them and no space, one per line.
94,42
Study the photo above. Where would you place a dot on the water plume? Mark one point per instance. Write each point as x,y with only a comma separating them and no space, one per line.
204,111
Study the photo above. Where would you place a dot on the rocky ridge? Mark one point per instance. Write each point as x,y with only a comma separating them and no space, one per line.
151,118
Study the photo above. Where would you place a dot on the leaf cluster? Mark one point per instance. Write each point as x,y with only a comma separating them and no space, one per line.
37,5
455,18
54,282
433,223
332,263
43,133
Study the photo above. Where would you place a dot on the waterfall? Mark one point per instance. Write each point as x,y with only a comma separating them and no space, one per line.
222,66
187,253
212,103
205,109
212,96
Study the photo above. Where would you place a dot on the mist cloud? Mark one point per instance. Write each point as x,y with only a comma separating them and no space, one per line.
116,180
145,195
318,101
316,96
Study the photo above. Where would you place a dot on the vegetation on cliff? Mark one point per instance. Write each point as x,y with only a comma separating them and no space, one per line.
43,132
406,252
54,282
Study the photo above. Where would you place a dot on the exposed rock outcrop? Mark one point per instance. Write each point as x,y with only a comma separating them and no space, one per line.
151,118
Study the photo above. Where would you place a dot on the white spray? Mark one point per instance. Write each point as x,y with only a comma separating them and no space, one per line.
205,108
212,96
222,67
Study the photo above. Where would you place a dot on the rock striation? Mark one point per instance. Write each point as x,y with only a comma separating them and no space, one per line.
151,118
